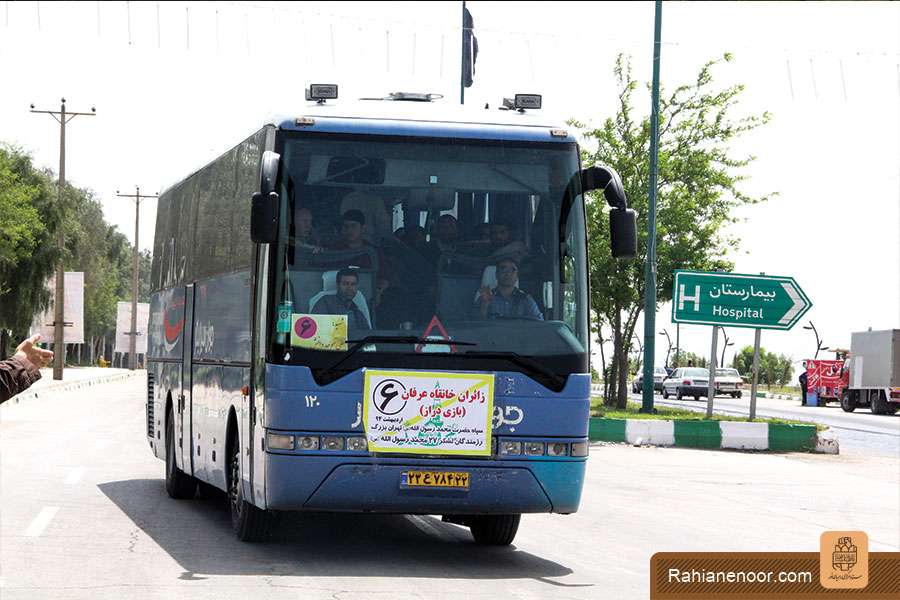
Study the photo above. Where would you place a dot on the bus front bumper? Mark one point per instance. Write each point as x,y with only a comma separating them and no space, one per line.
377,485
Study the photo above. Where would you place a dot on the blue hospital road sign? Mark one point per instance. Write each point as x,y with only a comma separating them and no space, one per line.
736,300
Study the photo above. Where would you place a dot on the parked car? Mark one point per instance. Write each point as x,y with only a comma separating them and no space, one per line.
687,381
729,381
659,374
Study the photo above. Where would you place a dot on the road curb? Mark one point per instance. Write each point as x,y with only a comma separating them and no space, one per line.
712,434
66,386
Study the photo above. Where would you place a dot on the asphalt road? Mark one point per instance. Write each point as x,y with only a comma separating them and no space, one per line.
857,432
84,514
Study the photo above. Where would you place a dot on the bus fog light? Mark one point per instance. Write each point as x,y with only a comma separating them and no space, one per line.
557,449
510,448
278,441
307,442
580,449
357,444
332,443
534,448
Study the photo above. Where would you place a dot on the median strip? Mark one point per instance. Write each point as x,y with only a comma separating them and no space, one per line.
714,434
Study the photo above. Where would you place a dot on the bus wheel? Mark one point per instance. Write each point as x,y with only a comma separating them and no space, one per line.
494,530
179,484
250,524
848,404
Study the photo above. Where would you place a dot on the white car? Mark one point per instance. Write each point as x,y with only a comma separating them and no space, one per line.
659,374
728,381
687,381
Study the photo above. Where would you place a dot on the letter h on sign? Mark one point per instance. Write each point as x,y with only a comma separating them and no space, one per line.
695,298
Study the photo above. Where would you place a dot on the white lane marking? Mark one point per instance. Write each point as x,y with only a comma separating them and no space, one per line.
41,521
75,476
101,444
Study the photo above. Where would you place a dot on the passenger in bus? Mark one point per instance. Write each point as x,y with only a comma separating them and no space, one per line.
19,372
507,300
342,302
353,229
374,212
446,240
503,245
305,237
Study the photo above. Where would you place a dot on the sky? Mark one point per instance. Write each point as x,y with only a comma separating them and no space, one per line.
176,83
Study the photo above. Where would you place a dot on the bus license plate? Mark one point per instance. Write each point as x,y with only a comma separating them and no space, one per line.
435,479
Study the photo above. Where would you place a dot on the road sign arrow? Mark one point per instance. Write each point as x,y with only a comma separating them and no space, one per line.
737,300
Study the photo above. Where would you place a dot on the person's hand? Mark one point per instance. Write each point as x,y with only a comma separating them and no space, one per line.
36,356
484,294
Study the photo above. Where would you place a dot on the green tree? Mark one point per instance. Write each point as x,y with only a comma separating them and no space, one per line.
697,193
684,357
774,369
29,220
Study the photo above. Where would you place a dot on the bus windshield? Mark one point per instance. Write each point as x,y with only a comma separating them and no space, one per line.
469,241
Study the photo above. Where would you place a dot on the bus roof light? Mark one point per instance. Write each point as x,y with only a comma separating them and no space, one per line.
320,92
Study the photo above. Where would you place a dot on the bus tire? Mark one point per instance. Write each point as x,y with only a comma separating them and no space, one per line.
250,524
848,403
494,530
179,485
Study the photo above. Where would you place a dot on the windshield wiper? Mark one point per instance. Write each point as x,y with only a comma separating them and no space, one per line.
522,361
387,339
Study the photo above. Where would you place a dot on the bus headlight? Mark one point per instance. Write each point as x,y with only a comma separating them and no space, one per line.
332,443
557,449
278,441
534,448
357,444
508,448
307,442
580,448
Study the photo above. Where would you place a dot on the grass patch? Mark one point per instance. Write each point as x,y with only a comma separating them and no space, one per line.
678,414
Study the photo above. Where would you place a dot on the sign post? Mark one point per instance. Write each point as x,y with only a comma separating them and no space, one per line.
711,391
737,300
755,374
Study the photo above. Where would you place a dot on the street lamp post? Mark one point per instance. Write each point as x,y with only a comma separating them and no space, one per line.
669,349
819,343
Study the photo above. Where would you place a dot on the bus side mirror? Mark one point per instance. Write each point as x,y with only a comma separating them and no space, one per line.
264,204
604,178
264,218
622,220
623,232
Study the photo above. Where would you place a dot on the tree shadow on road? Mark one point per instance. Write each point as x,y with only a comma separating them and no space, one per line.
197,534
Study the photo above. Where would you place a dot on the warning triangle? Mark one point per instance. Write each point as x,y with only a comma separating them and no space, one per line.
435,323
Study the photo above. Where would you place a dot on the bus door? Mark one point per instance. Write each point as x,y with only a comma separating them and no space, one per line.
185,406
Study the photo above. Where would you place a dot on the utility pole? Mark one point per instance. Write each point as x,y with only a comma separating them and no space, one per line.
59,343
132,339
462,71
650,272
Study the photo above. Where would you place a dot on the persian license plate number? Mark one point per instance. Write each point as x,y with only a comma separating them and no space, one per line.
435,479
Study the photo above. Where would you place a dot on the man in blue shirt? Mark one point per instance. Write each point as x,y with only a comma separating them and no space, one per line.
507,300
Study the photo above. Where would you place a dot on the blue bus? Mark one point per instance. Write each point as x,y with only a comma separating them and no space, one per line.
379,307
